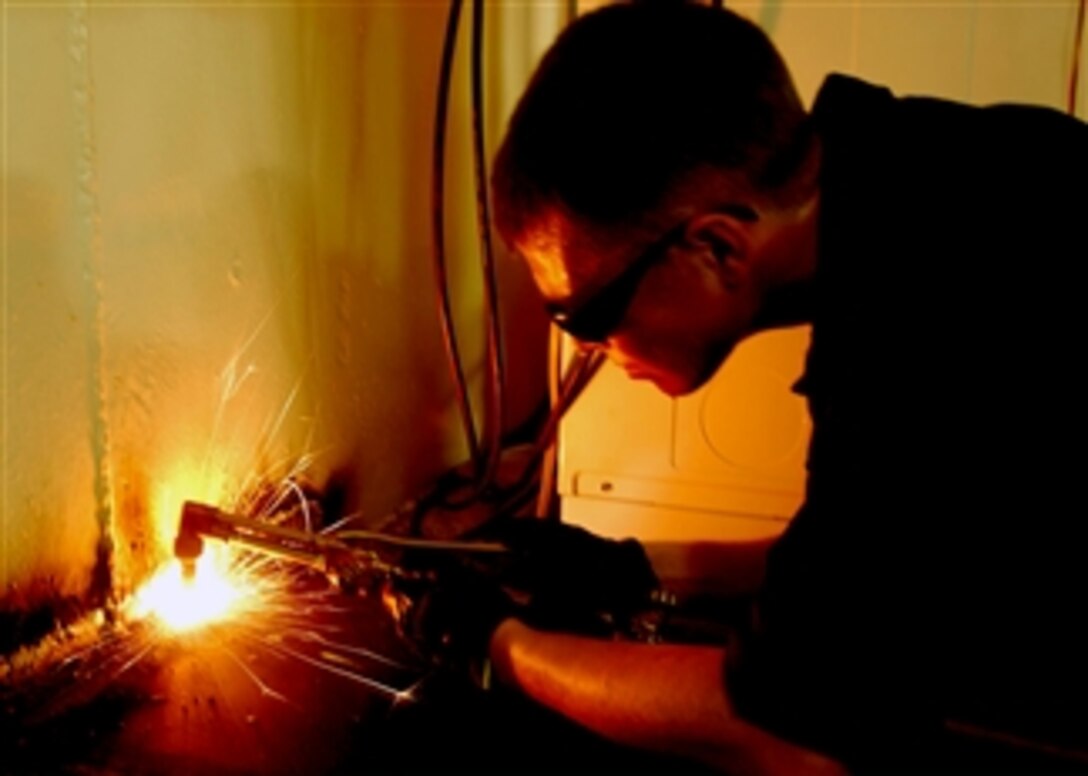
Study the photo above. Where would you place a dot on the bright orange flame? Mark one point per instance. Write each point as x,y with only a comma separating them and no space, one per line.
181,604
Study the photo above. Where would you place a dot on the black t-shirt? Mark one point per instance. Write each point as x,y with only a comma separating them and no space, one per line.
937,567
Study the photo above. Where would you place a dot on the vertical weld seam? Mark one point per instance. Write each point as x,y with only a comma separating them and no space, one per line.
90,215
4,316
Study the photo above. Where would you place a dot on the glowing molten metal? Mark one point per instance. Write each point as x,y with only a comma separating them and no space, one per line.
214,593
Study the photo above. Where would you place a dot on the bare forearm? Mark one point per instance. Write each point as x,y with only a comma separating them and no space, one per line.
668,698
613,687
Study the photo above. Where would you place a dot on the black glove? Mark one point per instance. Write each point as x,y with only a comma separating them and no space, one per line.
556,577
573,580
448,618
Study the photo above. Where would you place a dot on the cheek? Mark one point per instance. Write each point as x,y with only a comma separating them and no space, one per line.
634,347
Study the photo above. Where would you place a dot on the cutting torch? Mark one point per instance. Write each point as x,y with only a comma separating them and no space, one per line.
349,558
357,560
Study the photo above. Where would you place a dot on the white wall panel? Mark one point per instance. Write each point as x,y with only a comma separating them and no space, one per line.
916,47
1023,52
815,38
48,470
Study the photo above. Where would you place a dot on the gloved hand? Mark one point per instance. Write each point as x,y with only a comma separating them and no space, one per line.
557,577
574,580
448,620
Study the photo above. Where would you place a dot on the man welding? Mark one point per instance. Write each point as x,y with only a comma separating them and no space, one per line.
672,196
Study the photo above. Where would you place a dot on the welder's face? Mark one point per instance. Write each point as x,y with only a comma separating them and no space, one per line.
666,315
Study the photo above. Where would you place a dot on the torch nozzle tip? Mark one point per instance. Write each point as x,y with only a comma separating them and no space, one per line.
188,568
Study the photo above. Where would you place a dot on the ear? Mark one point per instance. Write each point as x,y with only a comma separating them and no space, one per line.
727,240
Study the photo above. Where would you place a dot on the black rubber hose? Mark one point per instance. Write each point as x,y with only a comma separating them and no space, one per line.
495,358
438,235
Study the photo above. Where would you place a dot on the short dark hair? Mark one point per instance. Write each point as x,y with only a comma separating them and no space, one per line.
633,97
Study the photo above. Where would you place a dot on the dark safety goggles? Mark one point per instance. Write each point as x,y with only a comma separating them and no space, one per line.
595,318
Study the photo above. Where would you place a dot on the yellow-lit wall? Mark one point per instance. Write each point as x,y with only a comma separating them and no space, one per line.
216,265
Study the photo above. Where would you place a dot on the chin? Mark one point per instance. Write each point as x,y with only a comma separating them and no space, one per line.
676,386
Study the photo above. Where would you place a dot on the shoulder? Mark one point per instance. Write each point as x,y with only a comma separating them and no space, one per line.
845,101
